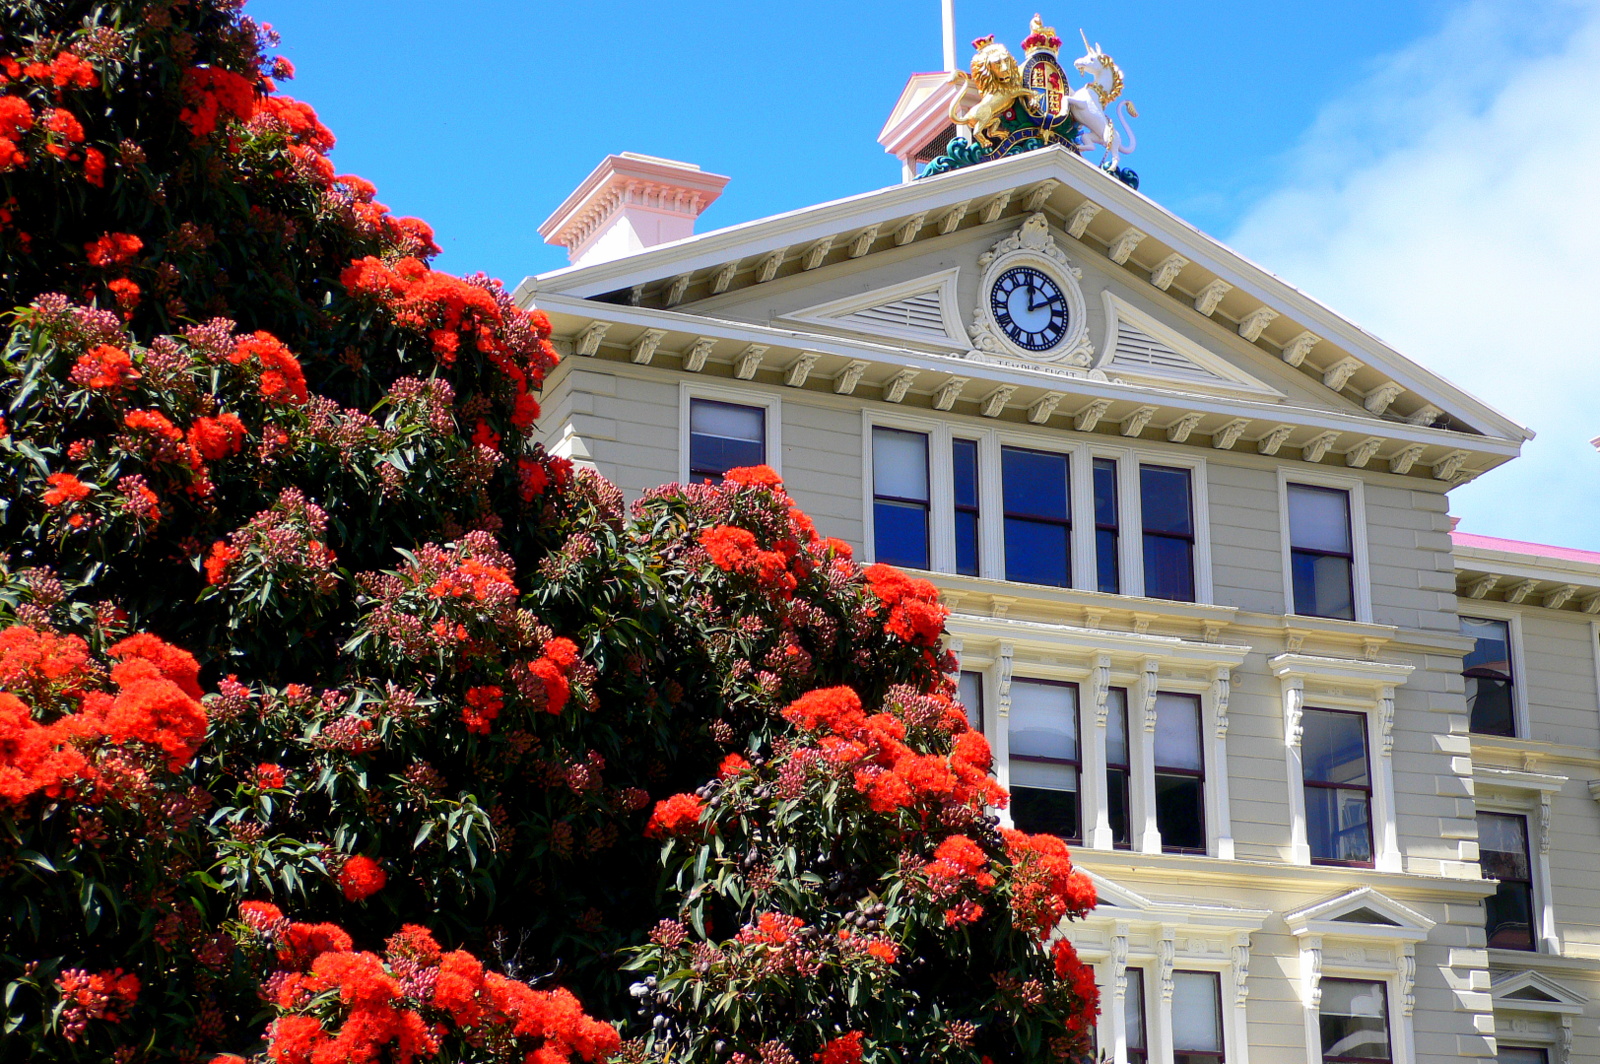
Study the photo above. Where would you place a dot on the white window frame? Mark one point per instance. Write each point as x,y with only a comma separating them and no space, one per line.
1473,608
1378,953
1367,687
1360,564
1528,795
991,517
770,402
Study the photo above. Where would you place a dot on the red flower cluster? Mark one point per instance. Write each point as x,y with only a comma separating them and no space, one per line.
846,1049
65,130
483,706
270,776
553,671
336,1004
448,310
282,380
678,815
105,995
771,929
113,249
731,766
1071,970
361,877
915,613
64,487
474,579
216,438
16,118
66,70
958,860
734,550
1045,888
212,93
105,367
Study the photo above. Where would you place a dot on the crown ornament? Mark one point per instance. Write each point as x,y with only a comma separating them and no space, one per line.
1041,38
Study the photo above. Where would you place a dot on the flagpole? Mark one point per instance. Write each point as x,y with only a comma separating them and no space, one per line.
949,11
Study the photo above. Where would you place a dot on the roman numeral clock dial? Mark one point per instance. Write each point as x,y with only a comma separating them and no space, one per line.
1029,307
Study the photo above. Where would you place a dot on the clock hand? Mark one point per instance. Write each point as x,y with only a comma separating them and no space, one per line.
1036,306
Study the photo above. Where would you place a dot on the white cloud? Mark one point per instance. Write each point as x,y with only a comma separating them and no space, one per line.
1449,202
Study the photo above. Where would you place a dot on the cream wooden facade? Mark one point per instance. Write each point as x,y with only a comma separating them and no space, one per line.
866,312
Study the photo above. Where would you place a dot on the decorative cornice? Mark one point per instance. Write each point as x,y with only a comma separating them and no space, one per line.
768,267
724,277
1179,430
1210,297
677,289
1317,446
1378,400
862,242
1296,350
1447,467
950,219
949,392
1253,323
748,361
908,232
994,404
1482,586
1402,460
695,360
644,348
814,255
1358,456
894,391
847,379
1043,407
1078,221
1167,271
1424,415
588,341
797,372
1272,441
1135,423
1123,245
1086,419
1557,597
1338,375
1519,591
994,207
1225,437
1038,194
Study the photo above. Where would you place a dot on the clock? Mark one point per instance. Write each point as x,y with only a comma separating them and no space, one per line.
1029,307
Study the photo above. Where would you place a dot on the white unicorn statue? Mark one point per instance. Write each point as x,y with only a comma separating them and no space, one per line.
1094,106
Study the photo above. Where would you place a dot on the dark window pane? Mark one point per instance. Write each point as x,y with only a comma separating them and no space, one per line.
1334,747
1490,683
1521,1055
1503,851
1036,553
964,460
1319,519
1034,483
966,543
1045,812
1108,573
1168,568
1338,825
1180,812
1508,917
1105,492
724,436
900,534
1133,1012
1354,1018
1322,585
1117,806
1164,500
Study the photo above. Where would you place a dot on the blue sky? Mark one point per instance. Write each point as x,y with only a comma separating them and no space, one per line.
1425,167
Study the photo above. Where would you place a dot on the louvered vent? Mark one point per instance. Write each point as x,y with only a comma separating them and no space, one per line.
919,313
1138,352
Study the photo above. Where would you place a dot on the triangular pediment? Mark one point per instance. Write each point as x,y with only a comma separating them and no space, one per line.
1360,913
923,308
1528,991
1139,347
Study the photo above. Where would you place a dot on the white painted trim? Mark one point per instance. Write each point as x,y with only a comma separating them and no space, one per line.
1494,611
1234,379
1361,576
833,313
941,487
1060,270
1530,796
1200,504
752,396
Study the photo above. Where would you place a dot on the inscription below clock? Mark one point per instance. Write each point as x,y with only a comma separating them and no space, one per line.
1029,307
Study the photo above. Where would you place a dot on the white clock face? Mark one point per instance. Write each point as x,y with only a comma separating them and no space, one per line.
1029,307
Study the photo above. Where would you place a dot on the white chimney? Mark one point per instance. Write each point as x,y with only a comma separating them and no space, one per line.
628,203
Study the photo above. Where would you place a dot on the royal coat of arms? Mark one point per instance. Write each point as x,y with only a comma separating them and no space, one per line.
1021,108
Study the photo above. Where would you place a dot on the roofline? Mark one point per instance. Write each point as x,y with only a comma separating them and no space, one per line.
716,247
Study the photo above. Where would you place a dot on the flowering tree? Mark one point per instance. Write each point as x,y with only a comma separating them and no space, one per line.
340,722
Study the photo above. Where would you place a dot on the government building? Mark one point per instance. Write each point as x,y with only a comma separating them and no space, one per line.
1333,765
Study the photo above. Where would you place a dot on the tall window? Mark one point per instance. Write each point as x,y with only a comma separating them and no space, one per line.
1164,501
900,497
1338,787
1119,768
1180,774
1355,1022
1038,537
724,436
1133,1018
971,694
964,465
1321,559
1503,852
1196,1018
1490,684
1108,573
1045,758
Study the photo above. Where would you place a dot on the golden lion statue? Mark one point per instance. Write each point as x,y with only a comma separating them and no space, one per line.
995,74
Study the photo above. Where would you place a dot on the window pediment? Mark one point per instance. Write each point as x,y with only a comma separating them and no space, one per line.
1534,992
1359,914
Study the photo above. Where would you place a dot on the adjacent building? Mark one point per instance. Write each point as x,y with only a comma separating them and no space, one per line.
1334,768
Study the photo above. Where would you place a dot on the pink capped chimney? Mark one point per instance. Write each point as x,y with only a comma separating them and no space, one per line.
628,203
